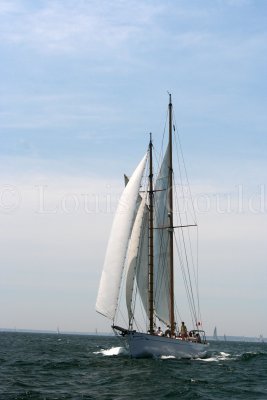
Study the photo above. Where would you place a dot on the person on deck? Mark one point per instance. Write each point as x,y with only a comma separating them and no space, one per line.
198,338
183,331
168,331
159,332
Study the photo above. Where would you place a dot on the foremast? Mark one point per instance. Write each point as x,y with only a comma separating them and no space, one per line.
170,215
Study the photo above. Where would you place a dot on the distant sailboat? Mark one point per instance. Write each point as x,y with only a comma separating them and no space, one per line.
137,283
224,336
215,336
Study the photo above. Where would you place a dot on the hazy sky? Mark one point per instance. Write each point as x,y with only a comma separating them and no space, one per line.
81,84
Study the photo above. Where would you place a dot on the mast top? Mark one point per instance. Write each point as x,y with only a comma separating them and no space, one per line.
170,98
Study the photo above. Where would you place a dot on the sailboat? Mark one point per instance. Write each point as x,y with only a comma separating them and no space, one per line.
261,338
138,270
215,336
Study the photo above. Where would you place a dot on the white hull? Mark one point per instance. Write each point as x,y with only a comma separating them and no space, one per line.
146,345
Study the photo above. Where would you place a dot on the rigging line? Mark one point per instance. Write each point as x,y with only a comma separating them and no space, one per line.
178,247
164,132
190,243
189,277
189,297
183,245
183,185
186,175
160,155
157,157
177,312
122,315
197,270
186,257
183,196
189,300
199,309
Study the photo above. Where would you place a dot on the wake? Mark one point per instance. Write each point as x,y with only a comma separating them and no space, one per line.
113,351
217,357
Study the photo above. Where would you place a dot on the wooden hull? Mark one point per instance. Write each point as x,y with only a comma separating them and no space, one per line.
146,345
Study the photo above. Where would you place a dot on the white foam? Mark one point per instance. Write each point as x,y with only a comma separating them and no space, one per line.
166,357
208,359
224,354
114,351
219,357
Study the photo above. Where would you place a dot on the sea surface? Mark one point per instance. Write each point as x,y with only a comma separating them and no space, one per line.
47,366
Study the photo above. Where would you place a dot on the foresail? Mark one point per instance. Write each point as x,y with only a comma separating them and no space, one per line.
137,259
117,246
161,240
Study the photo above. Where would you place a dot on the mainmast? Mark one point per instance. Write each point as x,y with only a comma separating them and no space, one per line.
151,247
170,214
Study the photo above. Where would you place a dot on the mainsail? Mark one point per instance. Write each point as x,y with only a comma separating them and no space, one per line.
117,246
161,237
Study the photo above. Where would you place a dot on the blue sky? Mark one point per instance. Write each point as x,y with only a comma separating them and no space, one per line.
81,85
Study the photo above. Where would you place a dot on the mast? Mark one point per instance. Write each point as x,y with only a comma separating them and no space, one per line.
151,247
170,214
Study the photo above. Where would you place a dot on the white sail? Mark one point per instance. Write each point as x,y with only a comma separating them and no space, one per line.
142,265
161,237
117,246
215,336
137,259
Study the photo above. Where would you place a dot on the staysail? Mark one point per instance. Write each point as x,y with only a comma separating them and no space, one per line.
161,238
137,259
117,246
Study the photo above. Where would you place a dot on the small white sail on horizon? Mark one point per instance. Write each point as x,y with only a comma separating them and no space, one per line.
215,336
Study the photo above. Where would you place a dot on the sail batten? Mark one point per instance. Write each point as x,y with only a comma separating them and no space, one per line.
117,246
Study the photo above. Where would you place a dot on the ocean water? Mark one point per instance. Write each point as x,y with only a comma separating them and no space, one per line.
46,366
